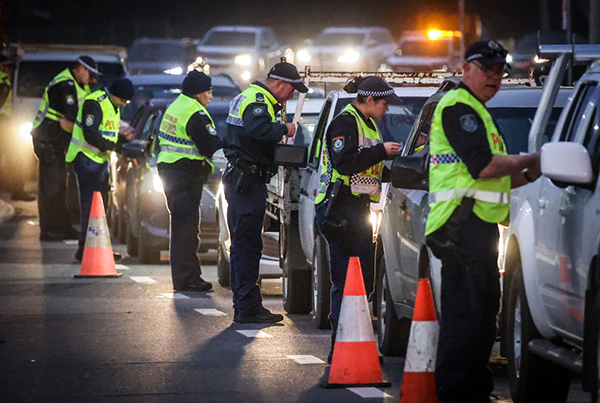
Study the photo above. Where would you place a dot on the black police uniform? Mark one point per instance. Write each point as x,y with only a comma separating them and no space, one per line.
249,146
50,143
183,181
470,292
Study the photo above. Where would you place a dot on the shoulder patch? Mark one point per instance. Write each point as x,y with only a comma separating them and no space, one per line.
70,100
102,98
260,97
338,143
211,130
469,123
258,110
202,113
89,120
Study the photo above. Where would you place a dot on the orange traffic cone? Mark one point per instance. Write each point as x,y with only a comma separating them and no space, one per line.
355,360
98,259
418,384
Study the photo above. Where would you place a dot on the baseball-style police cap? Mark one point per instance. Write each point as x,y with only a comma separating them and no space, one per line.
377,87
287,72
90,64
486,52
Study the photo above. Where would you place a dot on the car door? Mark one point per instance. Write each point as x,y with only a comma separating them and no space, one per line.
565,221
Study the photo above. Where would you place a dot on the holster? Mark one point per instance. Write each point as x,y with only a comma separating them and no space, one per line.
247,175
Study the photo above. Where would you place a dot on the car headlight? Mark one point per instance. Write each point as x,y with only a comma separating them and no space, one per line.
350,56
175,71
25,131
157,183
539,60
246,76
243,60
303,55
509,58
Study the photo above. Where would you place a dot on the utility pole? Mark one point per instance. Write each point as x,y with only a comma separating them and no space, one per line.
461,21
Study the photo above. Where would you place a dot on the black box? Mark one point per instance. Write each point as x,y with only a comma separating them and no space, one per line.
289,155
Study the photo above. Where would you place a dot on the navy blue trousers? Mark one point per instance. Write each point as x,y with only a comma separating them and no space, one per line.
245,218
184,191
91,177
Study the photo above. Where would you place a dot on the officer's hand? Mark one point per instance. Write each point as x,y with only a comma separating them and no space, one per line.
534,170
291,129
392,148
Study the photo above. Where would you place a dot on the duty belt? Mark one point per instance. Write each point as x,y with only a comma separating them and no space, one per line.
244,166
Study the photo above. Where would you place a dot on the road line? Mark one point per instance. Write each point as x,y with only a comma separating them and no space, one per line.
210,312
143,279
305,359
173,295
369,393
121,267
70,241
258,334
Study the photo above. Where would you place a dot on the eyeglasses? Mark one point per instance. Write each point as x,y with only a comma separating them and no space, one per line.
491,71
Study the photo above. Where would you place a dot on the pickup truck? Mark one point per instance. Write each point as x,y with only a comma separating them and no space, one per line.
550,253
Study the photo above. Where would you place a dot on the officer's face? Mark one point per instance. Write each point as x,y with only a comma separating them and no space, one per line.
483,81
83,76
377,109
205,97
119,101
284,91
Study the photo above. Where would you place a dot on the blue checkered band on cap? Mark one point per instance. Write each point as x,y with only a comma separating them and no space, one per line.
376,93
444,159
288,80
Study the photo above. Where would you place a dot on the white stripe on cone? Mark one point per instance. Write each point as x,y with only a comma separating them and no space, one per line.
422,353
357,317
97,235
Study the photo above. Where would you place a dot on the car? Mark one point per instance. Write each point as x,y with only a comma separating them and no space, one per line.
402,257
427,51
348,49
245,52
162,55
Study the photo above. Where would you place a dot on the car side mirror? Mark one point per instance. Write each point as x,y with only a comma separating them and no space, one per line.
134,149
411,172
566,163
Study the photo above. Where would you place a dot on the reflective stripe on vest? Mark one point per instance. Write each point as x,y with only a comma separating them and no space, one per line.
250,95
449,179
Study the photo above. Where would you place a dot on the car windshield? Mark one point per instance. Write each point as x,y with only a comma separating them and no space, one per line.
397,123
35,75
156,52
339,39
424,48
227,38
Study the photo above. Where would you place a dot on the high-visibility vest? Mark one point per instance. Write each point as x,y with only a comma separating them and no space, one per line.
109,128
45,111
173,140
6,109
449,179
252,94
366,182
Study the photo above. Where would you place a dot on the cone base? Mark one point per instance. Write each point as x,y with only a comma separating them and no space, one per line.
98,275
327,385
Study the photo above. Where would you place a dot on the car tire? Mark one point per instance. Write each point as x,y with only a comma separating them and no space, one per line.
297,275
321,302
147,254
132,241
531,378
223,267
392,333
121,227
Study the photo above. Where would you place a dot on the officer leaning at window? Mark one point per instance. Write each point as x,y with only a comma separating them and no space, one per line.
470,178
51,134
249,145
353,155
95,135
187,140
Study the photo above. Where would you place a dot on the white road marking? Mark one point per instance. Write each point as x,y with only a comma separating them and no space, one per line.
305,359
258,334
173,295
143,279
121,267
369,393
210,312
70,241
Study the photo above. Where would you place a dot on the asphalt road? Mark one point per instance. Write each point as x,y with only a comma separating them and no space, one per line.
132,339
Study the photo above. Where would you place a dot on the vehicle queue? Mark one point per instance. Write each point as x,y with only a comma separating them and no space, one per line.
253,113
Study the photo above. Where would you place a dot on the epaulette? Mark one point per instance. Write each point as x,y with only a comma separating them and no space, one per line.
260,97
101,98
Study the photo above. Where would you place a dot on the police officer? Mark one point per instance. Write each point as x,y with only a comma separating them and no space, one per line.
187,140
352,157
51,133
249,144
9,141
95,135
470,178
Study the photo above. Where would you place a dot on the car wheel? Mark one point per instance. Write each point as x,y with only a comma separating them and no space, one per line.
223,267
148,254
132,241
321,284
392,333
531,378
297,277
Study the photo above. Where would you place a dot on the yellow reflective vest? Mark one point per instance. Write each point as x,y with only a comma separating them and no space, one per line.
6,109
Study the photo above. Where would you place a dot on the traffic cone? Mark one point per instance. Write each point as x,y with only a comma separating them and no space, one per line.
98,259
418,383
355,360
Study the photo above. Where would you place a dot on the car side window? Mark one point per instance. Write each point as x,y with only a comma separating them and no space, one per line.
421,140
576,114
148,125
592,141
315,147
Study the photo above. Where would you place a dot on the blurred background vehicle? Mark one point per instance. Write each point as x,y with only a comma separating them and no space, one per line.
347,49
245,52
427,51
162,55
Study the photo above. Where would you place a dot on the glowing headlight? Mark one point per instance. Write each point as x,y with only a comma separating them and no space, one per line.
175,71
157,183
539,60
243,60
350,56
303,56
509,58
25,131
246,76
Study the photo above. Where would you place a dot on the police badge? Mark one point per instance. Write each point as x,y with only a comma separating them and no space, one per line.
258,110
338,144
469,123
70,100
211,130
89,120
